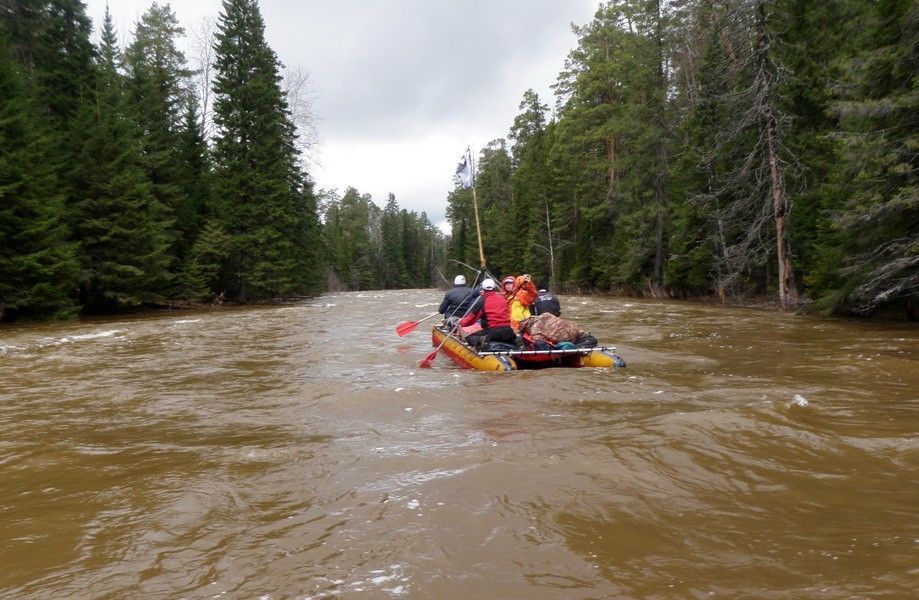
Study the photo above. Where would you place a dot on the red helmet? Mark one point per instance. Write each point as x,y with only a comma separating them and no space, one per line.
507,280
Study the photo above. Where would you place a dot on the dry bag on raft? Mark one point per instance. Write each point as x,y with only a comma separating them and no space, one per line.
554,330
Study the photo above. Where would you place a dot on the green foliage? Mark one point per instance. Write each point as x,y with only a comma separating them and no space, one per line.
50,38
394,273
352,230
156,73
205,274
38,266
877,104
653,176
121,226
193,174
110,193
259,188
370,248
656,175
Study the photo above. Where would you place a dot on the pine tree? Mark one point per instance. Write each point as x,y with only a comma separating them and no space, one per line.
259,185
493,186
193,175
121,227
394,272
38,266
51,39
878,229
608,138
157,80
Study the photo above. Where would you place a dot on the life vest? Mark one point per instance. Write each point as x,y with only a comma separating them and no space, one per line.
520,299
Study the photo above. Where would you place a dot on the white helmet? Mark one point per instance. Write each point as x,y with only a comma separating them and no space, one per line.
460,280
489,284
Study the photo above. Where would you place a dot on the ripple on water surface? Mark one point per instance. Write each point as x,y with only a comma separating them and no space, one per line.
299,451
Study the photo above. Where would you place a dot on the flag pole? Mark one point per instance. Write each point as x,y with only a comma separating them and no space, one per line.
478,228
475,208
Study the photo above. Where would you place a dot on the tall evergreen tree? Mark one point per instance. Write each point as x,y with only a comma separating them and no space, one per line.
259,185
391,228
193,175
878,106
529,193
121,226
493,186
157,80
608,136
38,267
51,39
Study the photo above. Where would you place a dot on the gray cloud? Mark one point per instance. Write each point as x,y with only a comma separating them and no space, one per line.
384,68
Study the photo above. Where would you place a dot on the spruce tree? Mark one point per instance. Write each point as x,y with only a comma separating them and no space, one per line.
38,266
493,174
705,229
193,175
205,276
394,271
259,185
157,80
121,226
530,187
51,39
877,103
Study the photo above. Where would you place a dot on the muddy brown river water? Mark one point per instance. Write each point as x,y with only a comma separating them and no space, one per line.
299,452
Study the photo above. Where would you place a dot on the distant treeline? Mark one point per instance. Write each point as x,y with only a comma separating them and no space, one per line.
372,248
732,148
113,194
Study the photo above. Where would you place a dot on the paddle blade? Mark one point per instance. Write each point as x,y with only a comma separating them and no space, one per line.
406,328
426,363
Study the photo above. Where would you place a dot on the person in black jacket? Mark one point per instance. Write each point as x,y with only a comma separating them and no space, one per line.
457,299
546,302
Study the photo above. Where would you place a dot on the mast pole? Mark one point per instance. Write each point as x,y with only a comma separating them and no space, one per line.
475,208
478,228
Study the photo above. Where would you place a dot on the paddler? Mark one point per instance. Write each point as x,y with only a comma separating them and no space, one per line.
492,310
519,292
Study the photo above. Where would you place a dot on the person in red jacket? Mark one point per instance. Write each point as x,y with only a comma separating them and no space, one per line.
496,322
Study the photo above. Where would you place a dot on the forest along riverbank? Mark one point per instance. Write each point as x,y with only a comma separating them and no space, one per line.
299,451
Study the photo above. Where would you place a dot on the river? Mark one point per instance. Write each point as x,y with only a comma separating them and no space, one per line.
299,452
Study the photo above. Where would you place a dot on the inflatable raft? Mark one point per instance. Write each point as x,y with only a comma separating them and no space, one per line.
514,360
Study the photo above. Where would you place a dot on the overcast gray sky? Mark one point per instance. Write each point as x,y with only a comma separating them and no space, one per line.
401,87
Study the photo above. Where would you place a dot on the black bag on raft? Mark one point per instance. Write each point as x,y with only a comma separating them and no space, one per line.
498,347
585,341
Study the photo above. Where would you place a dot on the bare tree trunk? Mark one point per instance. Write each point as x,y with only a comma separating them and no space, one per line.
611,161
721,249
551,247
788,294
300,100
203,43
